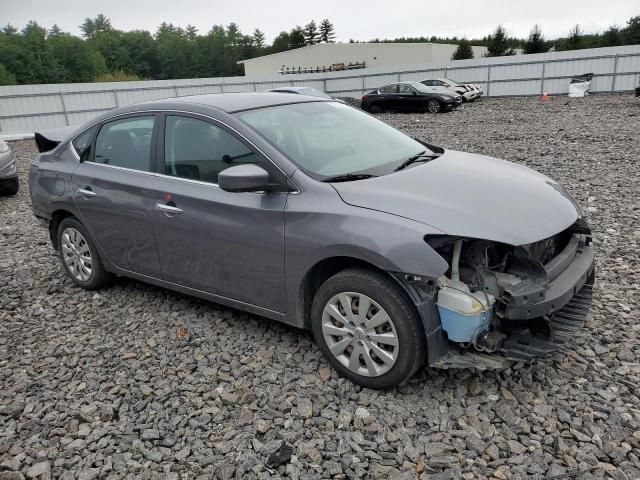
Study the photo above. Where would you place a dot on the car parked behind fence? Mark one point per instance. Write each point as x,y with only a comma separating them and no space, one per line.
409,97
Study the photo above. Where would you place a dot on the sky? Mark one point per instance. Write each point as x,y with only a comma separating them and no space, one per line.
353,19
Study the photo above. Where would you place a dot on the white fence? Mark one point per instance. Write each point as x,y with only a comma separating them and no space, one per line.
26,108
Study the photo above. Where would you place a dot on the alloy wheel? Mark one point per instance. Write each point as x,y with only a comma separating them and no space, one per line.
360,334
76,254
433,106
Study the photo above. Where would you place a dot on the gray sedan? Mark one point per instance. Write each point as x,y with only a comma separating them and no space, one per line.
9,182
395,253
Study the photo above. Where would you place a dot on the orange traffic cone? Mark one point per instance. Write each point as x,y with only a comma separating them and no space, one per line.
545,96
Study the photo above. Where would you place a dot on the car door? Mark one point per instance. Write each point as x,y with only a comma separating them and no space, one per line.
229,244
113,190
389,97
408,99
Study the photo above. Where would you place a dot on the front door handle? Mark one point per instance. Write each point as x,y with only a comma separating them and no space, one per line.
86,192
169,209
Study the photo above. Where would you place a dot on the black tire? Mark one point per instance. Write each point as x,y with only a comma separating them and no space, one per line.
434,106
10,187
376,108
99,276
412,349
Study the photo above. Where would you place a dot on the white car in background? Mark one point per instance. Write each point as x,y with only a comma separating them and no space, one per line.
9,182
469,91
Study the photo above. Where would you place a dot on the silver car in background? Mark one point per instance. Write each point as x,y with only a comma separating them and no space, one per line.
395,253
9,183
469,91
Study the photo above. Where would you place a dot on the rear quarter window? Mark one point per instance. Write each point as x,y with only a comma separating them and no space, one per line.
82,143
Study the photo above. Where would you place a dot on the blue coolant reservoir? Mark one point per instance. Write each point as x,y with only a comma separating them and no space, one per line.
464,314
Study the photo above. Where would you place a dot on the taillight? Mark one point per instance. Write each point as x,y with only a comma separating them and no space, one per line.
364,98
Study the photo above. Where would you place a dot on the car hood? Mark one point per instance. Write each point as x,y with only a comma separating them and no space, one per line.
472,196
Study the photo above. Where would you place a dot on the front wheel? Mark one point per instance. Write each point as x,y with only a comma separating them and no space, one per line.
368,329
434,106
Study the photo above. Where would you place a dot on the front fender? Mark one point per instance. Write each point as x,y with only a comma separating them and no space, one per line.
388,242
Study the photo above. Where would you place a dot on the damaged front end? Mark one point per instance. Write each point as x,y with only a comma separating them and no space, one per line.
499,303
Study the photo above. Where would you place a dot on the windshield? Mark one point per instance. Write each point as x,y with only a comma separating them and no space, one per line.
327,139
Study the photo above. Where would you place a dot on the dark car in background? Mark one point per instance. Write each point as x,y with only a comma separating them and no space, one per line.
409,97
393,252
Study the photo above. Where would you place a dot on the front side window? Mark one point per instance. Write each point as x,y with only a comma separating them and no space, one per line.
199,150
82,143
126,143
330,138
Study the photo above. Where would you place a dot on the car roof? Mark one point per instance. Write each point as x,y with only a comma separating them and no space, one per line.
237,102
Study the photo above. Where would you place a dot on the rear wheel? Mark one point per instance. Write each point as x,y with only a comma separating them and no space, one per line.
376,108
80,257
434,106
367,328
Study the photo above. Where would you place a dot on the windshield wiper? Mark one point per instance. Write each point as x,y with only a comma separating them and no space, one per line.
348,177
420,157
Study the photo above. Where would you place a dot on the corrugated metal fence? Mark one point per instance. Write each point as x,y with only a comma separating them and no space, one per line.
26,108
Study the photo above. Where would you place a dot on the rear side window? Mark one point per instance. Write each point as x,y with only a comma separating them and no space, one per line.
82,143
126,143
199,150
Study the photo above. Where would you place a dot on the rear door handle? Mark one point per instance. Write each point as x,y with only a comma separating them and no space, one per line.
86,192
168,209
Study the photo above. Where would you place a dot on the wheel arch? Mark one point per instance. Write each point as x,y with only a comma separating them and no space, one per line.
56,218
324,269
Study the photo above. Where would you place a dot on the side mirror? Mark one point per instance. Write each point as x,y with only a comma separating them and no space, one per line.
243,178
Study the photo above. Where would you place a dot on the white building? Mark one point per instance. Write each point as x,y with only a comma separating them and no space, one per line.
339,56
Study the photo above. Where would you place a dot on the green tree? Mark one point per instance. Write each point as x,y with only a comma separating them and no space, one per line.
9,29
632,31
94,26
310,33
498,43
535,42
140,54
78,61
280,43
464,50
296,37
574,41
6,77
191,32
612,37
327,32
258,38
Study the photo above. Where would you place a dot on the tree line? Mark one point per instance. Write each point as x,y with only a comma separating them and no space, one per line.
499,44
37,55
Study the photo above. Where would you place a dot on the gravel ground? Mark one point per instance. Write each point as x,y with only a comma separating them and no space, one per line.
139,382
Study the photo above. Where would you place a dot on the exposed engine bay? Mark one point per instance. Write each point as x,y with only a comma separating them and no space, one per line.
522,302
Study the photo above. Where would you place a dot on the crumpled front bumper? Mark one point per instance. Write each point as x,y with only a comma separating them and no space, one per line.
560,307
